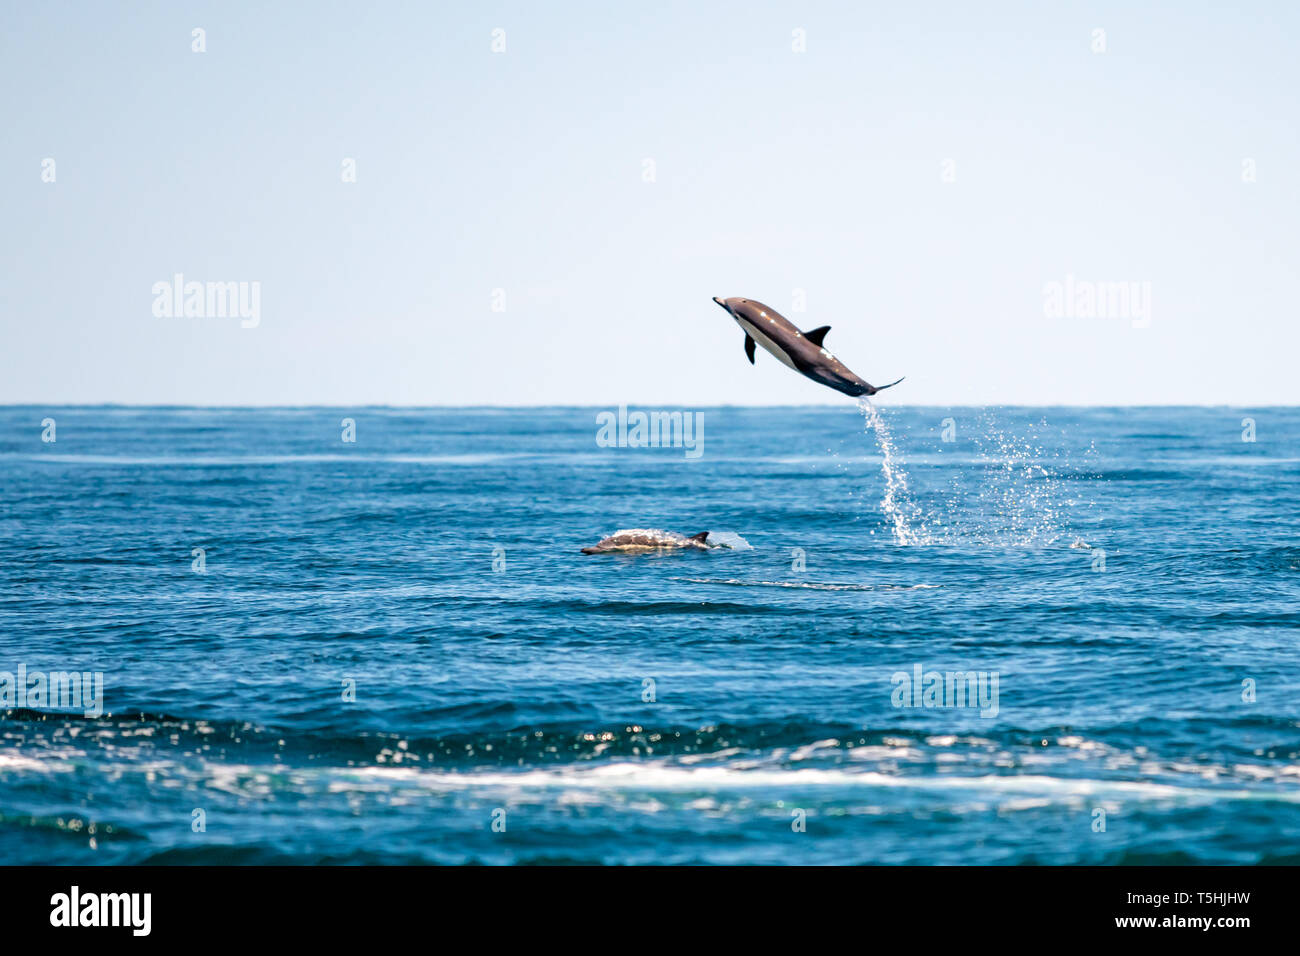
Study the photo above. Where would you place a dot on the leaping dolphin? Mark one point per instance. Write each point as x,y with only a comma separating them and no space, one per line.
648,539
801,351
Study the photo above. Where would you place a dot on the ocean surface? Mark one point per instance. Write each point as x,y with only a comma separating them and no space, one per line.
390,650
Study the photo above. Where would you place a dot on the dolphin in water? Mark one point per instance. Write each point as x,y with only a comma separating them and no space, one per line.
648,539
801,351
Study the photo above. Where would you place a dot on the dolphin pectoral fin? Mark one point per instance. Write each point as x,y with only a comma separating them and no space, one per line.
817,335
749,348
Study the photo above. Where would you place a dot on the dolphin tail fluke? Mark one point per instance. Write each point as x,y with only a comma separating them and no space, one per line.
880,388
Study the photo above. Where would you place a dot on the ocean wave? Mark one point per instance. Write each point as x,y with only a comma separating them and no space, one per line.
811,585
644,776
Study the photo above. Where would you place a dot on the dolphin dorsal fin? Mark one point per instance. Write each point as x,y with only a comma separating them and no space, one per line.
700,537
816,335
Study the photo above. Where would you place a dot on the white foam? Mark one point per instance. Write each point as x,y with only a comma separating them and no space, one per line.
729,539
629,776
810,585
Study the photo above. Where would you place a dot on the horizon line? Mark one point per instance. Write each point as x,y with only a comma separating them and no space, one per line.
505,406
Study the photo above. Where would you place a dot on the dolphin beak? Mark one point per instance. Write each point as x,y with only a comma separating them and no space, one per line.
721,303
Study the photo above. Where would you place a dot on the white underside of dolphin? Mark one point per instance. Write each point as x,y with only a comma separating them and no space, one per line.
755,333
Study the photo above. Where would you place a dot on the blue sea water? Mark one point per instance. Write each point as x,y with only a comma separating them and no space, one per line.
392,651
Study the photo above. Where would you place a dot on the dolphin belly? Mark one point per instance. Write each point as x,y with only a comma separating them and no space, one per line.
757,335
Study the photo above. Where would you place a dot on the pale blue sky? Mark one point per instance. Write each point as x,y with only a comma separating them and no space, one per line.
522,171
